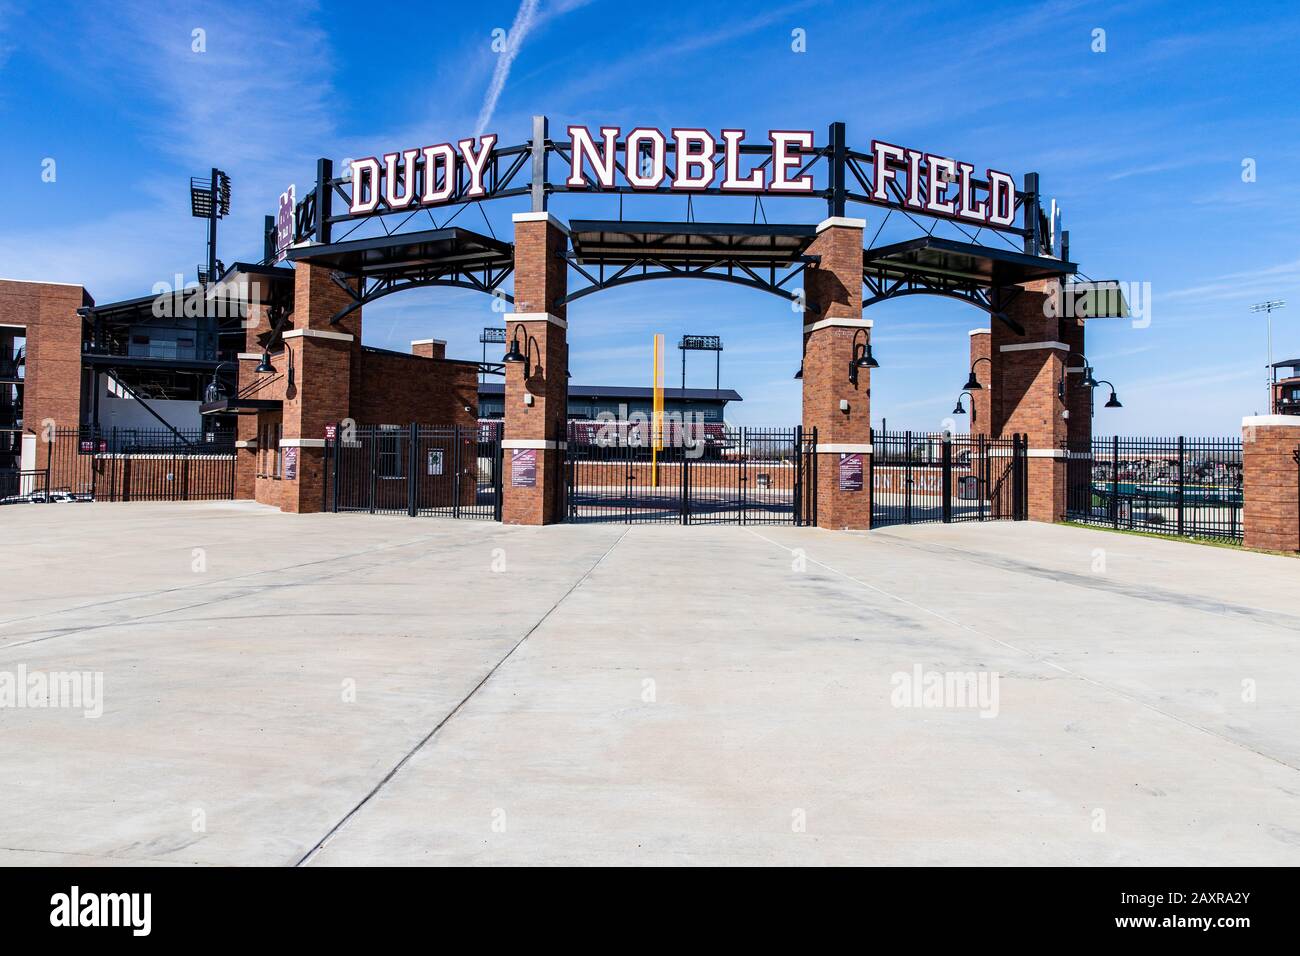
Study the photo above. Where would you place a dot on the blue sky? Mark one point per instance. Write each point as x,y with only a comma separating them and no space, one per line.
1142,145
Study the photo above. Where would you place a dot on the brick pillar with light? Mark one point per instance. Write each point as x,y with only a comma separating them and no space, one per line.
536,388
1028,373
1271,482
836,335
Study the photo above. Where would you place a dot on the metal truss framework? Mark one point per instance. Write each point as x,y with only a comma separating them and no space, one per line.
764,279
882,283
486,279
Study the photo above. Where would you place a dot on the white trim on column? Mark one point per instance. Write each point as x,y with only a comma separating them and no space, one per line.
542,216
841,221
1026,346
1251,420
843,322
981,331
317,334
1040,453
428,341
542,443
844,449
302,443
249,356
536,317
11,325
251,443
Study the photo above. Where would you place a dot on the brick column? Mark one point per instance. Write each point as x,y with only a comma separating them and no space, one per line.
1271,498
324,358
1026,372
831,325
536,405
981,403
429,348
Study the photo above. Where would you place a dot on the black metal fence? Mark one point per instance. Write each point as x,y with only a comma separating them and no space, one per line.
921,477
107,464
451,471
703,474
1178,486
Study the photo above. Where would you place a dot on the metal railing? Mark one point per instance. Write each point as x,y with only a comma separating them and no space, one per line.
1173,485
138,464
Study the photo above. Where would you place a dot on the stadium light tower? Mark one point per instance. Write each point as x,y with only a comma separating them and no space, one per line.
703,343
210,200
1267,308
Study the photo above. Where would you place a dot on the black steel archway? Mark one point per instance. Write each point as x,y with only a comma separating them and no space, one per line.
606,254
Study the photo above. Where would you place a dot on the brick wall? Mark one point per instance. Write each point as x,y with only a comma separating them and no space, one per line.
400,389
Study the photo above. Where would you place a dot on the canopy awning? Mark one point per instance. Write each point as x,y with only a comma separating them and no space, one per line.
964,261
241,406
409,253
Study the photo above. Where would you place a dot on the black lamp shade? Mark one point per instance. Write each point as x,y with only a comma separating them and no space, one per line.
514,355
265,367
1113,402
866,359
799,374
960,409
972,383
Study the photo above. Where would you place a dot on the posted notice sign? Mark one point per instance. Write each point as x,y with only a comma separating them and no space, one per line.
850,472
435,461
290,463
523,468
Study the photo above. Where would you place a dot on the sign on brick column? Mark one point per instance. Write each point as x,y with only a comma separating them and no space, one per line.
1271,482
838,407
537,389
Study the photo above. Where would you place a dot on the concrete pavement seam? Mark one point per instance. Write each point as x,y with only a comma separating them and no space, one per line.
334,830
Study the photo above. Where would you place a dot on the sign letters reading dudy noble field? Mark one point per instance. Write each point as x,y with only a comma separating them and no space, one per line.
608,159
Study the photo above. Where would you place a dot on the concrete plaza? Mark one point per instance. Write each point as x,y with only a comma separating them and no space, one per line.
348,689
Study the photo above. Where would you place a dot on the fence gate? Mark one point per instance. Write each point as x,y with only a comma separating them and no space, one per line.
920,477
449,471
710,474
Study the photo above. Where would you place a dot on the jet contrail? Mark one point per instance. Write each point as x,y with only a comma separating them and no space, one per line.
524,20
